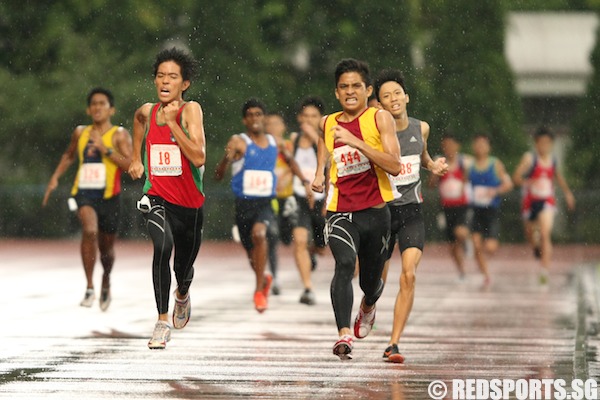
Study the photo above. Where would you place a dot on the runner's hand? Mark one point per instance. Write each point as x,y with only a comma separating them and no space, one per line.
136,169
439,167
318,184
309,195
170,111
52,185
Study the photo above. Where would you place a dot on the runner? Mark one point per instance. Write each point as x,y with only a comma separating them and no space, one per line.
308,233
407,223
281,230
103,151
169,135
455,200
489,180
253,156
536,173
362,147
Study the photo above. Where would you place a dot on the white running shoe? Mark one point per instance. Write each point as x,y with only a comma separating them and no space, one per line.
182,311
364,323
160,336
105,299
88,299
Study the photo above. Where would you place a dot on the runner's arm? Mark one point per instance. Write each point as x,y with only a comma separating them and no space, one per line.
123,149
233,152
66,160
569,198
389,158
437,167
506,184
318,184
522,168
194,146
140,120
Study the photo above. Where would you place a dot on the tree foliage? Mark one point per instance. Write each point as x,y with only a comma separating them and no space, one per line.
474,91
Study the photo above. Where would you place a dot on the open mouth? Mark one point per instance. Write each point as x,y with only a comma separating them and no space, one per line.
351,101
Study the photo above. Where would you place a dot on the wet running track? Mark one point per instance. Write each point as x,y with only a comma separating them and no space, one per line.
54,349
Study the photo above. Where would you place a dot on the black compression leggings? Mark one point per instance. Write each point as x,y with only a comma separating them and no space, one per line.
173,226
363,234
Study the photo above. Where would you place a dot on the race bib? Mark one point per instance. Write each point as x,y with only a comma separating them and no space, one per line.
165,160
483,196
410,167
541,188
92,176
258,183
350,161
452,189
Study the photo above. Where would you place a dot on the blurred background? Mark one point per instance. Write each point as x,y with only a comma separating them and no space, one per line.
503,67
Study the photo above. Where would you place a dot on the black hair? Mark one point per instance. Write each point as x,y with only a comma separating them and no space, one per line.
482,135
353,65
186,62
312,101
543,131
388,75
100,90
451,136
253,102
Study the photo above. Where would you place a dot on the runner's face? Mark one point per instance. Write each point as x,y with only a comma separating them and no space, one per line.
275,126
393,98
352,92
450,147
99,108
169,82
310,115
481,147
544,145
254,121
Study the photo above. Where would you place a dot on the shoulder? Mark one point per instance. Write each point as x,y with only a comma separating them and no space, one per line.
144,110
121,132
191,106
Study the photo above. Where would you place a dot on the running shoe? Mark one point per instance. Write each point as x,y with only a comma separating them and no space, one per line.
543,277
537,252
343,348
268,281
260,302
105,299
392,354
275,289
182,311
160,336
88,299
308,297
313,261
364,323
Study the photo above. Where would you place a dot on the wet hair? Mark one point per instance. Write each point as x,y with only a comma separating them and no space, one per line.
186,62
388,75
353,65
543,131
312,101
253,102
100,90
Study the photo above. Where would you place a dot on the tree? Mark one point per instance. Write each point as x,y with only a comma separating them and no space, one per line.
472,83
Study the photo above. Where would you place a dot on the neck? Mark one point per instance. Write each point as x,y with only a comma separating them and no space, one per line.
401,122
351,115
102,125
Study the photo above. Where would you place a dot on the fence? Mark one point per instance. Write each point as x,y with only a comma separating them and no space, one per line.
21,215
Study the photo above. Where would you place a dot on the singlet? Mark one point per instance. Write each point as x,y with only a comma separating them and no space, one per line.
169,174
253,176
283,172
98,177
407,184
306,158
453,192
541,181
355,183
482,180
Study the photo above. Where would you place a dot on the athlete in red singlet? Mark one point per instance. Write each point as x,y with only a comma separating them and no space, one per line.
536,173
171,134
